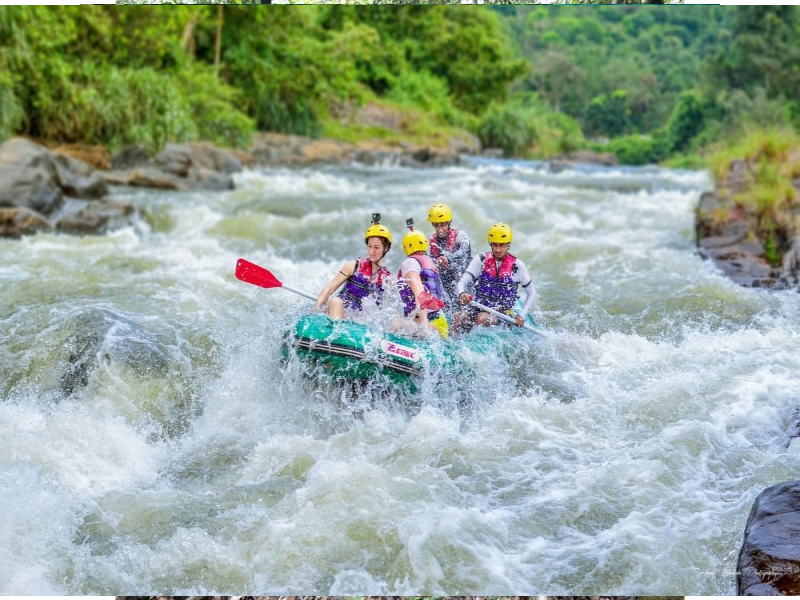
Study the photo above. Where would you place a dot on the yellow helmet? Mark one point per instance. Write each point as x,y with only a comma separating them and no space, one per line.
499,233
378,230
440,213
414,241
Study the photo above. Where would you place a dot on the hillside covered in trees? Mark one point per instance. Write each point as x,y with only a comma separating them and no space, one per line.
650,83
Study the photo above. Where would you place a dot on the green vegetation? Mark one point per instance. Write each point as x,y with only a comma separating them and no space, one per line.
652,84
770,162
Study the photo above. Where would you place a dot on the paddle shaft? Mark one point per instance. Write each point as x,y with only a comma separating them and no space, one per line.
299,292
504,317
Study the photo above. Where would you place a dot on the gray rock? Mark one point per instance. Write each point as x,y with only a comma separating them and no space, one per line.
79,179
28,176
769,559
104,335
129,157
174,159
35,188
95,216
214,181
18,221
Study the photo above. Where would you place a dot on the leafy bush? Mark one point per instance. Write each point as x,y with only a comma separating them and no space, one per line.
685,122
638,149
607,116
420,88
212,104
275,114
557,133
506,126
122,106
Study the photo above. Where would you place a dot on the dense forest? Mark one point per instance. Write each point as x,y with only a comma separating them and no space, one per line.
649,83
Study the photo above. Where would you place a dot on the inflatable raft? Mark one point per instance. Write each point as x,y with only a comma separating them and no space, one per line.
349,350
354,351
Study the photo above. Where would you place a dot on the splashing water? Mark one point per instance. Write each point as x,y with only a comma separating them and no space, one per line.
154,439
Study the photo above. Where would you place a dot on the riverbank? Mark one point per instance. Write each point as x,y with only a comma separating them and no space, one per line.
45,186
749,225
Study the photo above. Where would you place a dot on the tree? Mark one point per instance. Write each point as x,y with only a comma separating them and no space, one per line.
686,121
764,52
553,75
607,116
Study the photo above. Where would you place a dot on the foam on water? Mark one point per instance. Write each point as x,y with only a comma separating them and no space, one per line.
619,454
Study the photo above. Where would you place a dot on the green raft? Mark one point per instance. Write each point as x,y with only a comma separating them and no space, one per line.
348,350
353,351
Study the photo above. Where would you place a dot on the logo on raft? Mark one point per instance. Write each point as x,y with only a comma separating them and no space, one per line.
400,351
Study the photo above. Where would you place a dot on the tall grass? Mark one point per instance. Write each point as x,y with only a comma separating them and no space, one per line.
525,127
108,105
772,159
12,115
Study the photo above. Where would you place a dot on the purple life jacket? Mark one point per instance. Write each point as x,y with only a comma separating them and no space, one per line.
496,288
449,244
429,275
359,285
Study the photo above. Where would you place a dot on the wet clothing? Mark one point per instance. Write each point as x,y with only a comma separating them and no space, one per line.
441,324
456,249
429,274
364,284
496,283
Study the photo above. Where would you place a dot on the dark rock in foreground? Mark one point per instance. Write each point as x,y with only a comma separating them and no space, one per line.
769,560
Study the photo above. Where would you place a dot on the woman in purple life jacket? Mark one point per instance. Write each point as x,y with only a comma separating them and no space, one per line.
365,279
419,284
496,277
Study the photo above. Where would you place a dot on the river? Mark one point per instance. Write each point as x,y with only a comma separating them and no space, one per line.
154,441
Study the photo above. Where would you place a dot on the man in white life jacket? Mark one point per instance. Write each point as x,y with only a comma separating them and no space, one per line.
496,277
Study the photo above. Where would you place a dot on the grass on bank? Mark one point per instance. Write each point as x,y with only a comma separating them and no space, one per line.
770,164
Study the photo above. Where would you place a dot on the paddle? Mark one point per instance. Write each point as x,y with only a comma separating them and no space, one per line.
505,317
252,273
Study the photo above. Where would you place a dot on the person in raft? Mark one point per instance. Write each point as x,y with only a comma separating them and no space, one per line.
450,248
364,279
419,284
496,276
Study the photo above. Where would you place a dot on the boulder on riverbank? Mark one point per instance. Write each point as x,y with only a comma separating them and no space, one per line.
769,560
183,167
727,233
589,157
43,190
271,149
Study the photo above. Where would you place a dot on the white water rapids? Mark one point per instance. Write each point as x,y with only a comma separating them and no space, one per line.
185,457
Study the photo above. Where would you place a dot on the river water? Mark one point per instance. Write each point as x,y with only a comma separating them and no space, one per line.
154,441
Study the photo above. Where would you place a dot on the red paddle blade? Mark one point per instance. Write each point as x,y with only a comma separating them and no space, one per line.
252,273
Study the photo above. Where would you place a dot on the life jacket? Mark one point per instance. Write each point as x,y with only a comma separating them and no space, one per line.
429,275
436,245
495,287
360,285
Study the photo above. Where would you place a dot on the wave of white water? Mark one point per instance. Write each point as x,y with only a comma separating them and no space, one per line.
618,455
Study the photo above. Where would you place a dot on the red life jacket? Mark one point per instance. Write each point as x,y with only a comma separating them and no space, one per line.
436,245
359,285
495,287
